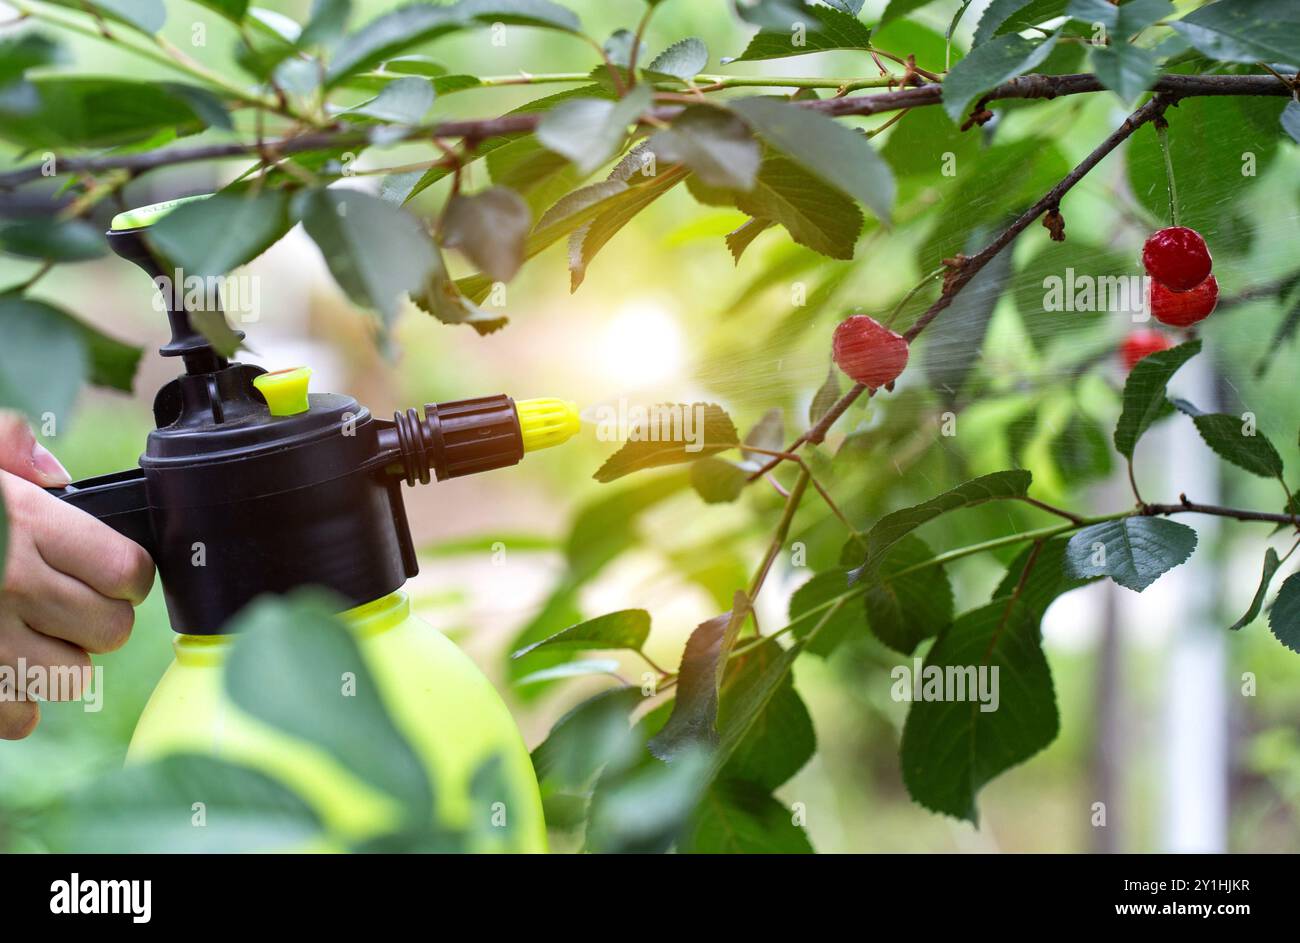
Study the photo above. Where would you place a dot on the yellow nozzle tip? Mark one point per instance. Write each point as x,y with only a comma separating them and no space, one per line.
285,391
546,422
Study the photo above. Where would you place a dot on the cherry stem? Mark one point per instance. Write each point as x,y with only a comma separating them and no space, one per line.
1162,132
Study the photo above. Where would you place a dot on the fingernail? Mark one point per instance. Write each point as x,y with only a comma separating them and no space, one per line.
51,470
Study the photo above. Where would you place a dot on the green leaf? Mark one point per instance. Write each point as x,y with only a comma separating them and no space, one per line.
825,605
837,155
296,666
904,610
1245,31
951,355
765,733
387,35
892,528
25,51
813,29
232,10
1047,579
1230,439
1132,551
1121,21
584,243
741,818
1057,290
229,229
148,16
1125,69
112,363
593,734
951,747
672,433
489,227
376,252
717,481
1271,564
1014,16
646,809
588,131
82,111
582,668
714,144
898,9
1144,394
1291,120
329,19
827,395
403,101
442,298
43,360
740,239
989,65
815,214
683,60
150,808
693,721
70,240
1284,617
626,628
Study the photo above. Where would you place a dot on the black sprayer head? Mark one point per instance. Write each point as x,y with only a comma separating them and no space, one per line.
251,485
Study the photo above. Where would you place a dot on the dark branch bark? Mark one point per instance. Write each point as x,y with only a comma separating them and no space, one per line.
1026,86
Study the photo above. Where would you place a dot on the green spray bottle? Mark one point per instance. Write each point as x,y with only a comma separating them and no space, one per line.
282,488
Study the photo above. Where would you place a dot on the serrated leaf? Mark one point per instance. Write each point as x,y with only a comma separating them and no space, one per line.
717,481
1132,551
229,229
490,228
952,354
1245,31
1121,21
898,9
767,434
377,252
147,16
589,131
835,154
1271,563
823,28
592,237
1047,579
825,605
951,748
1014,16
736,817
892,528
827,395
905,608
582,668
646,809
1227,435
1144,394
1284,617
989,65
692,725
299,644
740,239
683,60
624,629
714,144
442,298
671,434
765,732
814,213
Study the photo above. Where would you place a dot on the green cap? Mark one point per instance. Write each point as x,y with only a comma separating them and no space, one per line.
148,215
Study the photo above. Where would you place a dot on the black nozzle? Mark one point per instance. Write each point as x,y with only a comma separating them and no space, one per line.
454,439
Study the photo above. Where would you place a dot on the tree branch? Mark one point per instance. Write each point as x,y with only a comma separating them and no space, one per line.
1026,86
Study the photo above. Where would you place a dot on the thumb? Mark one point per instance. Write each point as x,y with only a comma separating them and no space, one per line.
22,455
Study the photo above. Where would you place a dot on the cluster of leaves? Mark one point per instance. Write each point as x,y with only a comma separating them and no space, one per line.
736,729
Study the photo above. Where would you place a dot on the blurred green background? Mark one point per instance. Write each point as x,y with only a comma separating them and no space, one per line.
665,314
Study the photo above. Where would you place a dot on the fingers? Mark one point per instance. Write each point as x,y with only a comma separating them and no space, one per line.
18,718
74,543
22,455
58,606
35,666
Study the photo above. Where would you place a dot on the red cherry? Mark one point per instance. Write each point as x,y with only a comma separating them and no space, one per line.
1182,308
1178,257
1141,344
868,351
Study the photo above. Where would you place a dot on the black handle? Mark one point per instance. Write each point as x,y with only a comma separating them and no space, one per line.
119,500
